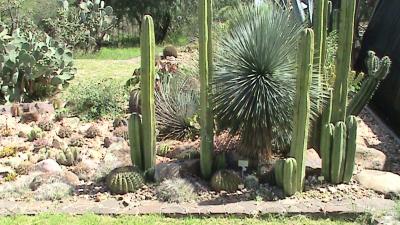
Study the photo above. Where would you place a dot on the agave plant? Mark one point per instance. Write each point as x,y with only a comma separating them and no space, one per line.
255,78
177,102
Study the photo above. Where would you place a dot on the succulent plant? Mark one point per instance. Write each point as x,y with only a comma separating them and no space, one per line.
24,168
69,157
93,132
35,134
251,182
46,125
41,143
11,177
191,153
170,51
53,191
76,141
226,180
121,132
176,190
124,180
5,131
120,122
65,132
8,151
163,150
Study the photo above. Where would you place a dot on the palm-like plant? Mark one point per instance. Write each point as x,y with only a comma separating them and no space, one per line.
255,78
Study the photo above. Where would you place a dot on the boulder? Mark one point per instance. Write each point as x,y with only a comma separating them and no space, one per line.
48,166
370,158
313,160
48,178
379,181
44,108
165,171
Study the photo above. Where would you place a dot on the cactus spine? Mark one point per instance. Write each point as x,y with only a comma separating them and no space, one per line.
377,71
338,152
147,48
302,104
346,33
142,131
206,114
351,146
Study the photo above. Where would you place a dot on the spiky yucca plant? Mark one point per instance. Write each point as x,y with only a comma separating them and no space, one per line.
255,78
177,103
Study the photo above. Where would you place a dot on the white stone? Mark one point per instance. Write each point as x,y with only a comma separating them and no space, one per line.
383,182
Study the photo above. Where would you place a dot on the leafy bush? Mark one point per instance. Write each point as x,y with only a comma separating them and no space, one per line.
30,68
91,100
255,78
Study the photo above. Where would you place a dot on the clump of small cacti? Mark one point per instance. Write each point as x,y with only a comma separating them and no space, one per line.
35,134
93,132
226,180
46,125
76,141
163,150
8,151
124,180
65,132
251,182
69,157
10,177
121,132
176,190
5,131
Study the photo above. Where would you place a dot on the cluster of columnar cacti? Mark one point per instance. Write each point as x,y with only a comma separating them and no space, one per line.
142,131
69,157
124,180
206,68
226,180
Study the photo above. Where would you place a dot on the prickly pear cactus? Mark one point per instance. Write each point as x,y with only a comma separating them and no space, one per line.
226,180
124,180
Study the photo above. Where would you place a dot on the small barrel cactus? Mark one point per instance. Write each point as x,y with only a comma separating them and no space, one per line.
170,51
77,141
163,150
46,125
225,180
65,132
176,190
93,132
251,182
69,157
35,134
124,180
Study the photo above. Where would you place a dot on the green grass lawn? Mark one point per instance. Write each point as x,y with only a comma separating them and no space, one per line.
114,53
120,70
61,219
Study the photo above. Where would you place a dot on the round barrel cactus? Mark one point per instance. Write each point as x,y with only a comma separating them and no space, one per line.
226,180
124,180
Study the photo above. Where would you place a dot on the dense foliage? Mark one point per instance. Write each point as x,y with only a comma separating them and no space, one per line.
255,78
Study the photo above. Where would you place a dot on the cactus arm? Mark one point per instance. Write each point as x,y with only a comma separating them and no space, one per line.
302,104
206,114
327,7
326,149
338,153
351,146
134,128
147,91
377,71
343,60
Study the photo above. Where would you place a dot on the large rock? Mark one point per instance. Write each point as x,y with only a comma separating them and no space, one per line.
48,166
48,178
370,158
165,171
313,160
383,182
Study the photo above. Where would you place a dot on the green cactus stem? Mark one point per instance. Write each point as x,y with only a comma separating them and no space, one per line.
343,61
278,171
289,176
338,153
327,132
351,146
135,140
302,104
378,69
206,114
147,47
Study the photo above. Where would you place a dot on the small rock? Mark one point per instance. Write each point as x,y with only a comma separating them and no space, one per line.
332,190
125,203
58,143
383,182
108,141
370,158
48,166
164,171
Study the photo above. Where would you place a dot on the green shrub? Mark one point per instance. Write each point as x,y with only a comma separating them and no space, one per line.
91,99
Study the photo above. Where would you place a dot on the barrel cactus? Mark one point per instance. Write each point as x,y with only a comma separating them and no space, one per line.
46,125
124,180
226,180
93,132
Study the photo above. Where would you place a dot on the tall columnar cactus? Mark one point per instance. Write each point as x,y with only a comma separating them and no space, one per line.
302,104
320,30
206,68
351,146
343,60
142,132
326,137
378,69
338,153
